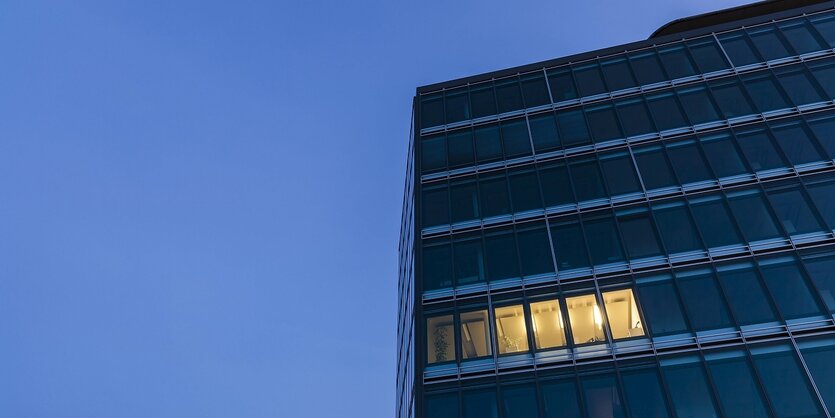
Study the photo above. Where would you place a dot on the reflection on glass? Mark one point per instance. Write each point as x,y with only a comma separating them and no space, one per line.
440,339
622,311
586,319
548,325
475,335
511,332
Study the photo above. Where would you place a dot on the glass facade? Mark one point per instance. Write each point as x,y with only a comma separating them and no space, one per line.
645,231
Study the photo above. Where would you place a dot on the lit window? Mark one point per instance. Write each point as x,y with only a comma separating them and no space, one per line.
440,339
548,325
511,332
586,319
475,335
622,311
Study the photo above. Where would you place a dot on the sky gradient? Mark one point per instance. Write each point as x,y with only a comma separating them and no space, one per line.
200,200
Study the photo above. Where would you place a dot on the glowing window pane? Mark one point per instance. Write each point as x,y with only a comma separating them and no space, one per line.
511,332
622,311
586,319
440,339
548,325
475,335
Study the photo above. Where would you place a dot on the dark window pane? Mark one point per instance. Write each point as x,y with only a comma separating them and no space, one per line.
562,85
501,255
739,49
589,80
569,246
789,288
753,216
801,36
515,138
703,302
460,148
688,162
588,184
824,130
768,43
799,86
572,127
676,61
820,359
620,173
715,223
535,251
603,241
457,105
748,299
647,67
822,272
464,201
731,101
519,402
618,75
689,391
431,110
785,383
823,196
639,235
508,95
481,404
544,132
707,55
793,211
559,399
826,28
603,123
602,398
722,155
634,117
437,266
435,206
494,196
765,93
556,187
760,151
698,106
534,90
665,112
482,100
643,394
442,406
488,143
654,167
676,228
468,260
736,386
825,75
524,190
433,153
661,308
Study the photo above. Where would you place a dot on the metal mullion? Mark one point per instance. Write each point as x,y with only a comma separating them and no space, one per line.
749,358
812,383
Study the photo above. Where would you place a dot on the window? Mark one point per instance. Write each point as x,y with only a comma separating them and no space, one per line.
707,55
603,123
753,215
703,301
475,335
483,100
688,387
547,324
714,222
739,49
654,168
488,143
569,246
602,397
494,196
440,339
759,150
768,43
801,36
519,401
588,183
544,132
442,406
643,394
799,86
737,388
464,199
457,105
819,355
789,288
731,100
698,106
622,312
511,331
559,399
562,85
508,95
585,318
572,127
515,138
825,25
534,90
480,404
661,308
556,187
793,210
501,255
431,110
618,75
796,143
823,195
604,243
468,259
688,161
647,67
824,129
765,93
825,75
534,249
748,299
461,150
665,111
678,232
435,206
433,153
620,173
589,80
722,155
676,61
784,382
822,272
634,117
638,234
524,189
437,265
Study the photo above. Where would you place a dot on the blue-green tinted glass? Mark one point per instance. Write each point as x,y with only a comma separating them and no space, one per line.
676,228
748,299
515,138
688,162
544,132
482,100
715,223
666,112
519,402
534,90
433,153
495,199
534,250
559,400
617,74
731,100
655,170
488,143
556,187
822,272
442,406
461,150
793,211
468,260
569,246
820,359
703,302
647,67
634,117
480,404
524,190
508,95
785,383
562,85
760,151
698,106
603,123
620,173
602,397
457,105
765,93
823,196
643,394
589,80
676,61
824,130
826,27
502,262
572,127
661,308
739,49
435,206
437,266
797,143
588,183
801,36
464,201
689,391
753,216
790,289
799,87
603,241
431,110
825,75
738,391
639,235
768,43
707,55
722,155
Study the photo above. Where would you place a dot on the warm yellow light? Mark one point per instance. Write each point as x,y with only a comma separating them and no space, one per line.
598,318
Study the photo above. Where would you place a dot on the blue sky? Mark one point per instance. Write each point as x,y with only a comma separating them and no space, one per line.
199,200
